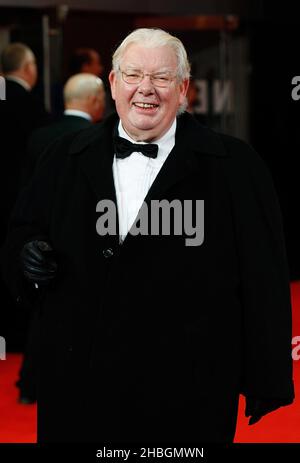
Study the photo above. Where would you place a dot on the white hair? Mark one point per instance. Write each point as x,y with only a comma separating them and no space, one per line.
80,86
152,38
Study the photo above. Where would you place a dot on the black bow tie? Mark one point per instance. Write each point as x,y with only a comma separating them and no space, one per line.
124,148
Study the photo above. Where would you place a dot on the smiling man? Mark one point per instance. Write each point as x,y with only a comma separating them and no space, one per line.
150,91
143,338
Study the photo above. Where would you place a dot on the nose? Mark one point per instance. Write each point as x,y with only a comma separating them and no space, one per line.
146,86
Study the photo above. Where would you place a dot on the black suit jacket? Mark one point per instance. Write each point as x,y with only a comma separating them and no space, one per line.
44,136
156,338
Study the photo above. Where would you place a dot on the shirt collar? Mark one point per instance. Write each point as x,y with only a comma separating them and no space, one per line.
20,81
168,139
77,112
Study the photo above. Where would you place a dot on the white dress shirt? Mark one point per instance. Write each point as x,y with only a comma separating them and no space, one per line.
134,175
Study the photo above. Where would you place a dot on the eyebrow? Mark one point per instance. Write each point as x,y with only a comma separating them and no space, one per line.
161,71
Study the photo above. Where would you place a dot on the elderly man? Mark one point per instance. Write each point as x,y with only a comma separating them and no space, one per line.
145,334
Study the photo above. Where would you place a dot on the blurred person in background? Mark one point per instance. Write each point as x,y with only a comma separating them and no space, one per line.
20,114
192,101
89,60
82,60
86,60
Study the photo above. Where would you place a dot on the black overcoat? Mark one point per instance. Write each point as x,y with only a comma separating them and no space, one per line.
153,340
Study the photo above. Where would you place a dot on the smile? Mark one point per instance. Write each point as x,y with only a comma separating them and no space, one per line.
146,105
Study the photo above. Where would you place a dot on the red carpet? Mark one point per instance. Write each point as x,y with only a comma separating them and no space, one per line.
283,425
18,422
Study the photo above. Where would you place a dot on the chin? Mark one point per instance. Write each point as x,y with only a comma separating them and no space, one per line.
147,122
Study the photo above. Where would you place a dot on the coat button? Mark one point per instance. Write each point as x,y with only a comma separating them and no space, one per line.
108,252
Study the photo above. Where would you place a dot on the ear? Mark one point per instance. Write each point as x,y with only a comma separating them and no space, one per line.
183,87
26,66
112,80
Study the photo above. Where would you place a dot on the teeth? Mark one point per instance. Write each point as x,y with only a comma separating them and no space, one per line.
145,105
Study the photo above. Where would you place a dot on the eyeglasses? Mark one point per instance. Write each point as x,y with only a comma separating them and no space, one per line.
161,79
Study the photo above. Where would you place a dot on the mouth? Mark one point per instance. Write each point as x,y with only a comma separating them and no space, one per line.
146,106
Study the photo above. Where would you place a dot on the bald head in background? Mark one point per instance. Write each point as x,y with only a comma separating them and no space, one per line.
85,92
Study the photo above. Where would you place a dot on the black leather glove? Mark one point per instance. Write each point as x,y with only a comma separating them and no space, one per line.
38,263
257,408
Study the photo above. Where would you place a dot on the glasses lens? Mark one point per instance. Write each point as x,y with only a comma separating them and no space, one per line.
161,81
132,77
158,80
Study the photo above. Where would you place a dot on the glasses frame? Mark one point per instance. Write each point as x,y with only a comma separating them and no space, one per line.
152,78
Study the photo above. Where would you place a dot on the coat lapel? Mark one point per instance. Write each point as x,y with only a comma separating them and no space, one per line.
193,143
96,149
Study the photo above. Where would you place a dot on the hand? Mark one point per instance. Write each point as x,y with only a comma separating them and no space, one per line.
38,263
257,408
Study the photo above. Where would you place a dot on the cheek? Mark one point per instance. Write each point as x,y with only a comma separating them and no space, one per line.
124,97
121,105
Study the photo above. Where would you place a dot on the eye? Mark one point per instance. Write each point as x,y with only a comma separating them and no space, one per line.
161,78
132,75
